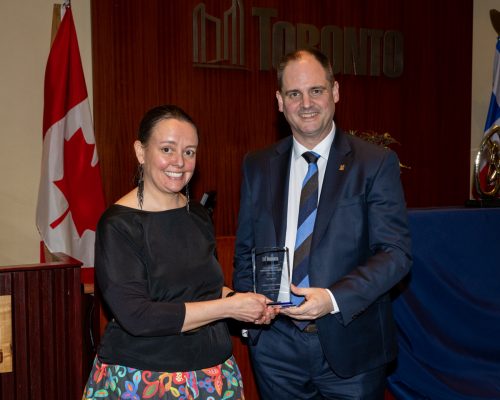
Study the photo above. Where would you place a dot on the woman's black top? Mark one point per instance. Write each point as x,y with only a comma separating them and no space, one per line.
148,265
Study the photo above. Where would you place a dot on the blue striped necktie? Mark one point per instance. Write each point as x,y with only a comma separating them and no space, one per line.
305,226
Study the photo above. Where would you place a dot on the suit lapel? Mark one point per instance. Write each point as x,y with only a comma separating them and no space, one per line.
335,175
279,174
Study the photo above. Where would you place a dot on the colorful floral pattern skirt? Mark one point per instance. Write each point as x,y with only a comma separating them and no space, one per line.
118,382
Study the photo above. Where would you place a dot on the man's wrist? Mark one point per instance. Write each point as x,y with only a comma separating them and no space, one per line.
334,302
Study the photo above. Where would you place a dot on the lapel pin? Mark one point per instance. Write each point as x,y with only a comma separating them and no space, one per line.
342,167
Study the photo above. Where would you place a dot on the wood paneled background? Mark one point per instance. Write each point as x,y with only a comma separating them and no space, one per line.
143,56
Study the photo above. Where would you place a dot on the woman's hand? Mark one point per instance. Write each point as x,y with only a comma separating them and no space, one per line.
251,307
246,307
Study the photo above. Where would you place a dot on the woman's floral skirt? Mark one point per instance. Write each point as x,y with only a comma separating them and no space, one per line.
118,382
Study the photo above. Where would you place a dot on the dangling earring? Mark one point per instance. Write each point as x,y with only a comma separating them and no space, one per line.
187,197
140,185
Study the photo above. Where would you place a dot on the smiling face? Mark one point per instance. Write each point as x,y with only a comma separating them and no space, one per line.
307,99
168,158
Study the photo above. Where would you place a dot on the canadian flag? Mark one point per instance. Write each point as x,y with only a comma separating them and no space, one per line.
70,196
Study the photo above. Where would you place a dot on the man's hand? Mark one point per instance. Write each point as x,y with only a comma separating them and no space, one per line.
317,302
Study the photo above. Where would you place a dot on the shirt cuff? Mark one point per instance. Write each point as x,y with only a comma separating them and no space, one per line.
334,302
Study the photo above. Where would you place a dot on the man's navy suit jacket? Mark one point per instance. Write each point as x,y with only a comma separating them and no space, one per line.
360,246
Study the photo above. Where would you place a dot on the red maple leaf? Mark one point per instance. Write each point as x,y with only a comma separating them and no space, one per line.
80,185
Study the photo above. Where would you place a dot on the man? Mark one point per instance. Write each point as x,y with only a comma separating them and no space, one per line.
359,247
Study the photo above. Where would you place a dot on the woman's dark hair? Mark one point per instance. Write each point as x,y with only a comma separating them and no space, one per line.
157,114
297,55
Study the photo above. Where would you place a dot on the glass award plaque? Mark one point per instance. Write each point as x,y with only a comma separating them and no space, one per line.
271,274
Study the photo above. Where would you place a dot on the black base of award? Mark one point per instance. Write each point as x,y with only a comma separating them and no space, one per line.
483,203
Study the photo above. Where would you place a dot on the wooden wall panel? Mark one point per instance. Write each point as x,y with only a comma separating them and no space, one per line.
142,56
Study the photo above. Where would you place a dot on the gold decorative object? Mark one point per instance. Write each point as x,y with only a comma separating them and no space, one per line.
489,151
380,139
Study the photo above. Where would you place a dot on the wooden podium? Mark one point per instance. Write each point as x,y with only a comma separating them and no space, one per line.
40,314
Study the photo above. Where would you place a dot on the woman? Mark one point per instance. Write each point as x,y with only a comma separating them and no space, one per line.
155,265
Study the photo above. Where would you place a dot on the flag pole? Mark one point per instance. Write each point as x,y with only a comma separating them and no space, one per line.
56,18
56,21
